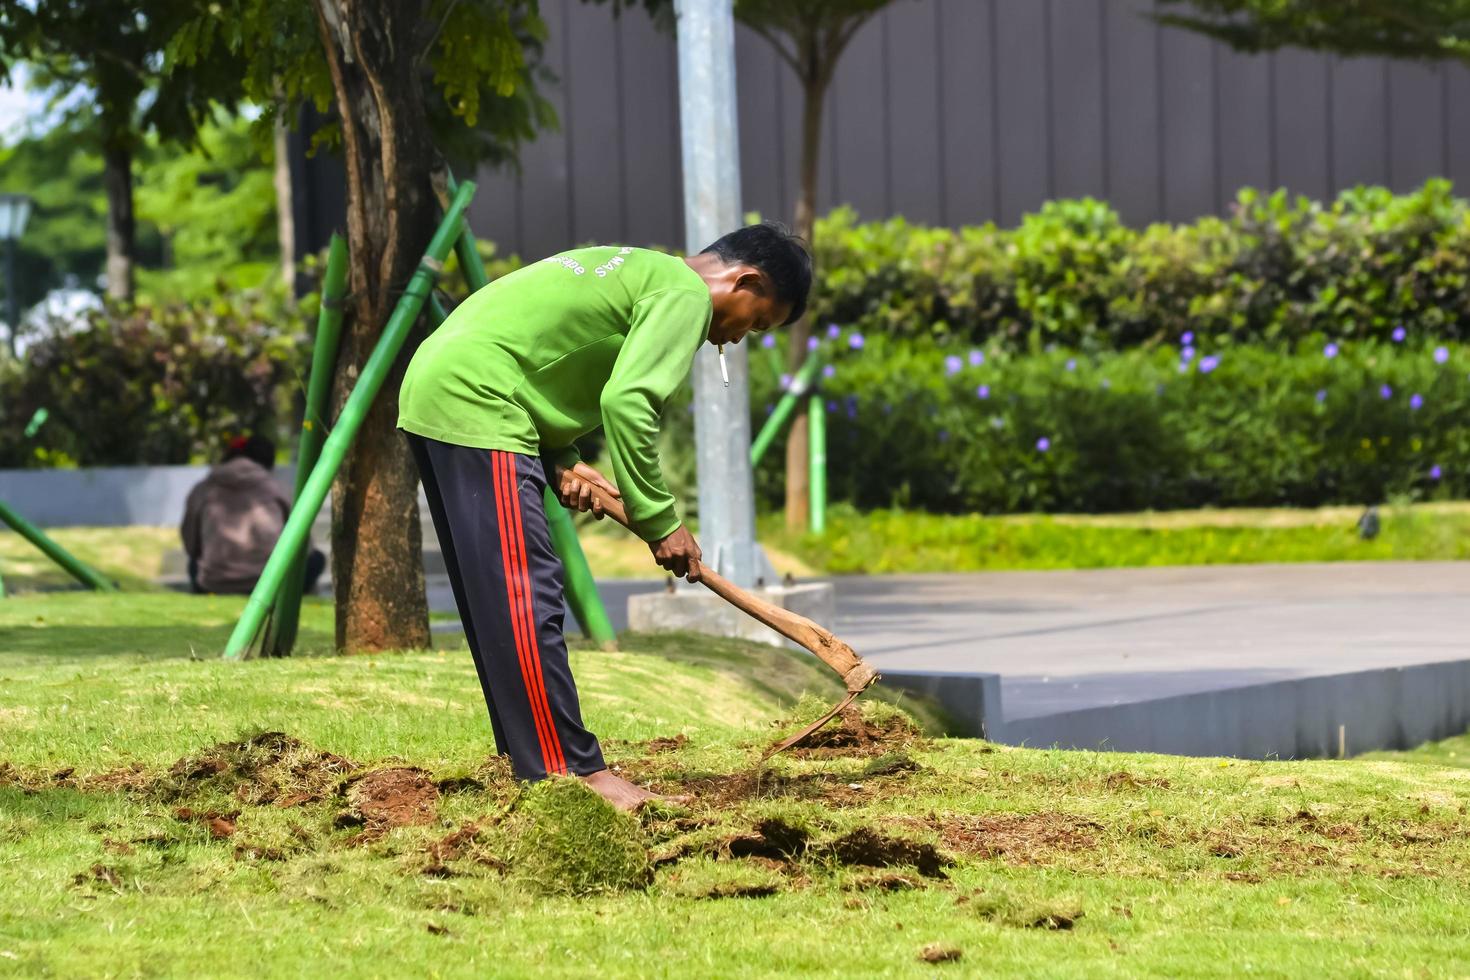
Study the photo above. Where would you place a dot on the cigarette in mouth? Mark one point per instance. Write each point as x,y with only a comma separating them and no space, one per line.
724,371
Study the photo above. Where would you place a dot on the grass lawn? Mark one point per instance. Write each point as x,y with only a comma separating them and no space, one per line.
147,827
905,541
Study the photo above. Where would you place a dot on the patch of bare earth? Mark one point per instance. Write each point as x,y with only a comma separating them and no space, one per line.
850,734
387,798
1032,838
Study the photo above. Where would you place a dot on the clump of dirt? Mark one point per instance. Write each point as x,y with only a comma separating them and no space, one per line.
772,838
1021,913
883,883
891,764
865,728
220,825
270,767
940,953
1124,780
736,889
568,840
667,744
99,873
869,848
1031,838
258,852
388,798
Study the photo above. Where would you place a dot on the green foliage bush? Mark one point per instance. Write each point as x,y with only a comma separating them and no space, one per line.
1277,269
152,384
939,427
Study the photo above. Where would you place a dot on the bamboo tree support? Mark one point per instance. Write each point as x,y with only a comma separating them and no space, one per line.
334,450
281,633
817,461
799,386
580,585
69,563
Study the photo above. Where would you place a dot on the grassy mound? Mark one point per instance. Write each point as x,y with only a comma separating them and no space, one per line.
567,840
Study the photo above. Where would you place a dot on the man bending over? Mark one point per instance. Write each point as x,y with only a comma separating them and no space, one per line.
492,403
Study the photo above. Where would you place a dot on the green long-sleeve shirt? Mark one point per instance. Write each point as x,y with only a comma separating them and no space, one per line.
594,336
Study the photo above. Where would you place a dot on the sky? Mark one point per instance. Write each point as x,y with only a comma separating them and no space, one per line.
16,104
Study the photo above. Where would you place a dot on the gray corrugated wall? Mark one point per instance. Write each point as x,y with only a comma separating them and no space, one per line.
964,111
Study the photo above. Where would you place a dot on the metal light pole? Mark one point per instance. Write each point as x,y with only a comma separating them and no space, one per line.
14,210
709,133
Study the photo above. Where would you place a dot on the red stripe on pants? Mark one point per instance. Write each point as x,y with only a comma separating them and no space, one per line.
530,612
503,518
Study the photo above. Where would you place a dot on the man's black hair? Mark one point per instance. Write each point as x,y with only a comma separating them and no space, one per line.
258,448
771,248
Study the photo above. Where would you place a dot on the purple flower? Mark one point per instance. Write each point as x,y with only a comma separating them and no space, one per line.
976,358
1385,392
1106,383
1043,444
831,405
833,331
855,341
852,404
769,340
982,392
1329,351
952,364
770,408
829,371
1208,364
887,409
1321,395
785,382
1441,354
1399,333
1187,354
944,435
1416,401
1435,472
1071,364
811,343
1187,338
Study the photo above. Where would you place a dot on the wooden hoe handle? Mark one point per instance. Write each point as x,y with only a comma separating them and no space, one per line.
855,673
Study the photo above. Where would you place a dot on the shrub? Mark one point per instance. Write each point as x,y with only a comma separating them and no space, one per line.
146,383
1278,269
915,423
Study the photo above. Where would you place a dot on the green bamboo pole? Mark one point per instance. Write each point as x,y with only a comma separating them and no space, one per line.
334,450
73,566
468,253
580,585
817,462
784,408
281,635
437,313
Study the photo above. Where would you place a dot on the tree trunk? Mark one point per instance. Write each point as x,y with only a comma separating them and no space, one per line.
798,475
377,560
285,214
117,182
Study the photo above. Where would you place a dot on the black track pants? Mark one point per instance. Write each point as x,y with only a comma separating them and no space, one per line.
488,512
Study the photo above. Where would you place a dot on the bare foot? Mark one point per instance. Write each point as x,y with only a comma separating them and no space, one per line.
623,794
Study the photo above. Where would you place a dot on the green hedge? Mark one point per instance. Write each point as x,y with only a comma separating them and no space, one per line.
146,383
1278,268
914,423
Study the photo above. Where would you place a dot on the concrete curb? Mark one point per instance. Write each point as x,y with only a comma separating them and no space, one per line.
1303,718
971,701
